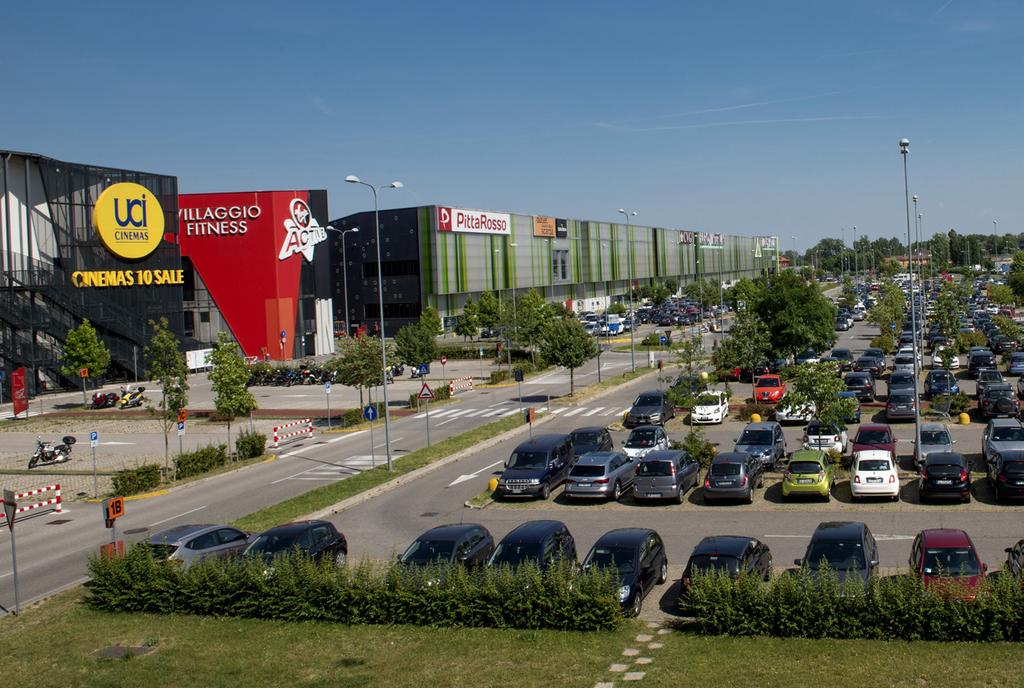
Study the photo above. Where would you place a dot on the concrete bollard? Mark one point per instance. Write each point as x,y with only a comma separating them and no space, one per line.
965,419
492,485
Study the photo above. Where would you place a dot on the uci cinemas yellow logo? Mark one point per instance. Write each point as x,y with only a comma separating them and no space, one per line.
129,220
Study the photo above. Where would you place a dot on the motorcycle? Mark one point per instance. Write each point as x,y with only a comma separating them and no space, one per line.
47,454
132,398
397,370
101,400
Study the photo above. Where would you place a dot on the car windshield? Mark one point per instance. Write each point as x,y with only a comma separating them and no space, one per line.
815,429
586,471
951,561
647,400
934,437
708,400
527,459
515,553
1010,434
273,543
641,438
901,398
622,558
724,469
873,465
756,437
426,551
872,437
655,468
706,563
838,554
585,439
900,379
769,381
804,467
841,353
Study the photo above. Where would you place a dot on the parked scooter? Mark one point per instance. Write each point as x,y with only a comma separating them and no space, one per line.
101,400
47,454
132,398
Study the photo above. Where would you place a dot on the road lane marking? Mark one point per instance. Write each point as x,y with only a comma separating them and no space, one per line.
474,412
470,476
191,511
590,413
573,412
492,413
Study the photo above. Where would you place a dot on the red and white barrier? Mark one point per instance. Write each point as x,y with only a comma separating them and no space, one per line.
460,384
53,501
279,436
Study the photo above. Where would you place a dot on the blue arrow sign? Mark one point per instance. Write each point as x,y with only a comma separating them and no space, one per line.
370,412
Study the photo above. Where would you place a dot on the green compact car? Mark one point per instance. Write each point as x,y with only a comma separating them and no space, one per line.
810,472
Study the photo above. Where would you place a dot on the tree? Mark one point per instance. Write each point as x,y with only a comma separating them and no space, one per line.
672,285
817,386
745,291
430,319
358,363
1008,328
1001,294
488,310
947,306
939,246
468,324
747,345
414,344
567,344
83,349
617,309
888,311
689,355
229,376
798,316
166,364
531,318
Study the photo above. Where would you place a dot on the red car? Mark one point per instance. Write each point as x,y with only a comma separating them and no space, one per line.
875,436
946,558
769,389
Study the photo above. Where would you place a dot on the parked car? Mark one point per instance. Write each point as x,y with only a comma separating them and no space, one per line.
733,475
937,359
940,382
590,439
901,381
1015,366
934,438
1014,565
874,436
980,360
643,440
846,547
317,539
854,416
874,474
733,555
900,406
649,408
903,363
789,412
604,475
764,441
190,544
545,543
984,378
998,400
810,472
536,467
945,557
844,357
842,325
1006,473
638,556
710,407
825,436
469,544
945,475
869,364
1001,435
769,389
863,383
665,474
807,356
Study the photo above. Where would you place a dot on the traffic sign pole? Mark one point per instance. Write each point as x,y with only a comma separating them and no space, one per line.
94,440
481,363
444,359
327,394
10,506
427,402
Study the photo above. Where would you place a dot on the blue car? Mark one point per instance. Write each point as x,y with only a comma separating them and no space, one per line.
940,382
1016,366
855,416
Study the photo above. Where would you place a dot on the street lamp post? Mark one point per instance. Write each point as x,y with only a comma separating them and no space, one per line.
856,265
794,252
352,179
904,151
344,271
629,240
995,242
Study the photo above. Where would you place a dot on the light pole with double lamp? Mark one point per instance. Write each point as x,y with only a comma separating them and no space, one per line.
344,270
995,242
629,240
352,179
904,151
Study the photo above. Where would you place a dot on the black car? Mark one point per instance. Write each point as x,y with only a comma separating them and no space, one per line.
869,364
731,554
649,408
1006,471
1014,565
986,377
846,547
544,543
317,539
590,439
536,467
468,544
733,475
863,383
845,358
998,400
945,474
638,555
979,361
901,381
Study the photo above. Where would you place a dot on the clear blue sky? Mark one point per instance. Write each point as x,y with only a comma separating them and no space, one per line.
742,117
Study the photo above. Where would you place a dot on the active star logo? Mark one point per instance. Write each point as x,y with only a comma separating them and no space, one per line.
304,233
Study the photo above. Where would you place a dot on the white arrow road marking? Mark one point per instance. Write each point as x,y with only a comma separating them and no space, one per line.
464,478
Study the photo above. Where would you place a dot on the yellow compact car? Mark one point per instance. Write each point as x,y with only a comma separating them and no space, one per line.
810,472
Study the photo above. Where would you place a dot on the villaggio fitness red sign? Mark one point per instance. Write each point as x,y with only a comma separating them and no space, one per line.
248,249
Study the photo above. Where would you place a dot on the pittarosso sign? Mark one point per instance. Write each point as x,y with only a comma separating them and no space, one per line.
473,221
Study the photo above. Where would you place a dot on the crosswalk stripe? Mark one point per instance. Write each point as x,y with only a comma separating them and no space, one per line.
590,413
509,412
574,412
558,409
475,412
492,412
442,414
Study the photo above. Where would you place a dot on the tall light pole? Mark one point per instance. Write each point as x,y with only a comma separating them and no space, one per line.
629,240
910,258
842,254
352,179
344,270
854,247
794,251
904,151
995,243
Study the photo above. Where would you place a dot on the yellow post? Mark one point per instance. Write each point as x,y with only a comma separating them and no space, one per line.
755,417
965,419
492,485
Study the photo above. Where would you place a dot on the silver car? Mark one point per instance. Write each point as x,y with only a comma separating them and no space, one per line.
605,475
643,440
191,544
1001,434
665,474
903,364
934,438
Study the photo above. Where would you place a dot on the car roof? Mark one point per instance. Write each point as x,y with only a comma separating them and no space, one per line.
998,385
838,530
451,531
533,530
663,455
179,533
731,457
945,537
933,427
597,458
733,545
764,425
875,454
807,455
542,442
656,392
589,429
943,458
643,427
1007,422
874,426
624,537
293,527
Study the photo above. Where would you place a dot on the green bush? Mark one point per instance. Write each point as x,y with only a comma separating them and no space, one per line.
653,339
766,411
249,445
885,341
135,480
463,353
298,589
355,416
965,340
498,376
201,460
698,447
440,394
957,403
895,608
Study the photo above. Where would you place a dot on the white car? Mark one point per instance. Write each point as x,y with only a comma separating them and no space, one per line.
954,362
711,407
818,435
786,412
643,440
873,474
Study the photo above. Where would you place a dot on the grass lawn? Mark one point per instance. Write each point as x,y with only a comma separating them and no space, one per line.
51,644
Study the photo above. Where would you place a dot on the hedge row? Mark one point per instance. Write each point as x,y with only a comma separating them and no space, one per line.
200,461
897,608
440,394
298,589
135,480
249,445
